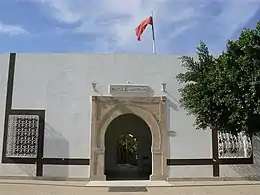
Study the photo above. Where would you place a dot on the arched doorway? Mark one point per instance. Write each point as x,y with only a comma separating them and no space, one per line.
106,109
128,142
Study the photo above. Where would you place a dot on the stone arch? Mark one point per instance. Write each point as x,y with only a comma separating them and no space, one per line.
150,109
145,115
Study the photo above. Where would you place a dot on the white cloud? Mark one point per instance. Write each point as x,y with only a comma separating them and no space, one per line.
179,30
234,15
113,22
11,29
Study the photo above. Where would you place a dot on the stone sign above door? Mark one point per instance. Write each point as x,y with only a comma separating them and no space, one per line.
130,90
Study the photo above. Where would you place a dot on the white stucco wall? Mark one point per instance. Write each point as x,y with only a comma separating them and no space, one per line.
61,84
8,169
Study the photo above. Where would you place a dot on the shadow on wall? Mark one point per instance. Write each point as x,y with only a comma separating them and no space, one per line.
55,146
170,105
30,170
172,102
251,172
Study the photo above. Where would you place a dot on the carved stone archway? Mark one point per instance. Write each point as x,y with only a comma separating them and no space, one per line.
151,109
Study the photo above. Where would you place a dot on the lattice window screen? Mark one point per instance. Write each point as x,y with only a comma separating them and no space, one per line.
234,146
22,137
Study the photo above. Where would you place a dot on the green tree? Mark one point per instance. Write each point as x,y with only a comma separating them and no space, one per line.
127,149
222,92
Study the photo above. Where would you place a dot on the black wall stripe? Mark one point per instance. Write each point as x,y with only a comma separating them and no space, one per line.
65,161
15,160
40,147
48,161
9,99
10,82
215,153
209,161
236,161
181,162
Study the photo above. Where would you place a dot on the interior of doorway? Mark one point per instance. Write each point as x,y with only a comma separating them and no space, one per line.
128,156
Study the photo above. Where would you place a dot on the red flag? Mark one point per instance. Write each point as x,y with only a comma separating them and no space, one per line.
141,27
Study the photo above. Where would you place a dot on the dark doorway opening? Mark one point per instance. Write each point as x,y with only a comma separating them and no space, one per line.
128,154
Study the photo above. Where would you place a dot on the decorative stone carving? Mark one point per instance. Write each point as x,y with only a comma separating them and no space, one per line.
106,103
164,98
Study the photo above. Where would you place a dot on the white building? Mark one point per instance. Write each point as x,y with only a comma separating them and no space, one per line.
61,115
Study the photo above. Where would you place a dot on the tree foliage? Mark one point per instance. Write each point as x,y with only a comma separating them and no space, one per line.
223,92
127,149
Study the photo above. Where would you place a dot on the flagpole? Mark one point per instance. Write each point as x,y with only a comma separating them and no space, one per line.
153,34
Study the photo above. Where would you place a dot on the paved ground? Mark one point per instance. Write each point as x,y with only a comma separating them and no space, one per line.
25,187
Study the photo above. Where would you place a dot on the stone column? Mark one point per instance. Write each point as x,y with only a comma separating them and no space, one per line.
164,136
100,156
158,152
93,161
157,170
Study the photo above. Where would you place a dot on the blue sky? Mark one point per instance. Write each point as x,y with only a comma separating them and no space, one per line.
108,26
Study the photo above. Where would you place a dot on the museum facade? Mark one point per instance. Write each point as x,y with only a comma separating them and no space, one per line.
100,116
